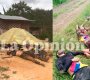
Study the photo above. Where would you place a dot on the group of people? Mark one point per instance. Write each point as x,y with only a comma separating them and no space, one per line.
27,51
67,62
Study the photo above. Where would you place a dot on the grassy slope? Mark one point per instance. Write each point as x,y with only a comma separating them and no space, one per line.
68,33
68,8
61,10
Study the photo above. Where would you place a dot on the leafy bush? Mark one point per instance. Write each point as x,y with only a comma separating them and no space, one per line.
56,2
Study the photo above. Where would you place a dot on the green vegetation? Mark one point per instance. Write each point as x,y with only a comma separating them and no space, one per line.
4,76
56,2
67,34
43,18
70,30
3,69
68,8
55,15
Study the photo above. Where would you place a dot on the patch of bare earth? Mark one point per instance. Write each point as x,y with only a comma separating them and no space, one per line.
20,69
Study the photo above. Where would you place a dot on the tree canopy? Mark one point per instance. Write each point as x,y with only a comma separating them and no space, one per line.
18,9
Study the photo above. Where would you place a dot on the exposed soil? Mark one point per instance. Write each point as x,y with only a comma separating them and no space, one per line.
20,69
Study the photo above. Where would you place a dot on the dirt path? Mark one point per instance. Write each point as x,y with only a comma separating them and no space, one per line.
27,70
66,18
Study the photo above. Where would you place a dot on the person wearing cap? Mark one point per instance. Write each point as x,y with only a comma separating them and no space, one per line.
67,62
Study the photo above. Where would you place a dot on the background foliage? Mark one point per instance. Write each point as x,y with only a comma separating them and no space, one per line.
56,2
43,18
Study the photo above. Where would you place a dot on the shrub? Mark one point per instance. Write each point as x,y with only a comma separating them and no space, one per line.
56,2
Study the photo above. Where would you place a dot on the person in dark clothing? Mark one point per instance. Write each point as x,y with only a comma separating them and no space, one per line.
67,62
29,55
12,51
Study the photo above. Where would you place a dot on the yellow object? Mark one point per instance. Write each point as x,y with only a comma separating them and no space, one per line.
82,39
19,36
82,65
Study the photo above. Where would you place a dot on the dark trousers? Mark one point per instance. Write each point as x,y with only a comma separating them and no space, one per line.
83,74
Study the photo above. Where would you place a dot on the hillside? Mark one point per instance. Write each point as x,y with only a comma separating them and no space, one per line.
67,32
66,13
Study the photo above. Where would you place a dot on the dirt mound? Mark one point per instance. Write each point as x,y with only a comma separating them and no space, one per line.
18,35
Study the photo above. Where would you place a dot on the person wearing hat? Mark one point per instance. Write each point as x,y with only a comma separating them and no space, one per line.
67,62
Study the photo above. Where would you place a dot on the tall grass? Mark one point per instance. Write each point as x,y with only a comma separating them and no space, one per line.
56,2
68,33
